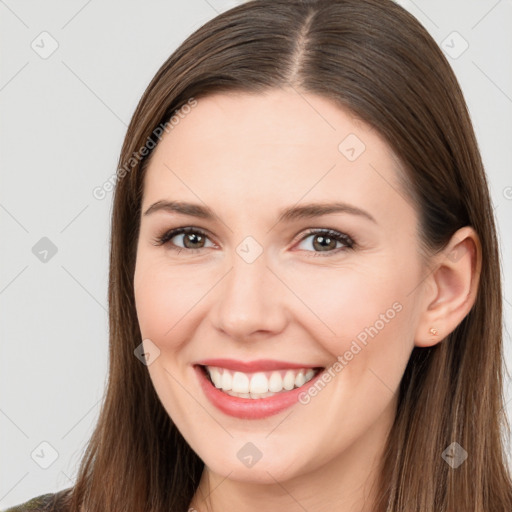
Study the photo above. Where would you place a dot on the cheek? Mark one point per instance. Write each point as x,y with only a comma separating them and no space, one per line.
162,299
364,320
343,302
164,296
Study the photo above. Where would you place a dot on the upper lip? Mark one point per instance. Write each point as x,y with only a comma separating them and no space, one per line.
259,365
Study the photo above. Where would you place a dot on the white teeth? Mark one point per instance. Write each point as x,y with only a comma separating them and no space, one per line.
275,383
216,378
261,395
300,380
289,380
259,384
240,382
227,380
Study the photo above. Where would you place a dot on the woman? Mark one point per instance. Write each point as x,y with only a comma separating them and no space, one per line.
305,301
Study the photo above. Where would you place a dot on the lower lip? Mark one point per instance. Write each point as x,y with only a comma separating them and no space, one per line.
249,408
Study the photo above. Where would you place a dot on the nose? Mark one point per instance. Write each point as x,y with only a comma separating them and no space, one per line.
250,301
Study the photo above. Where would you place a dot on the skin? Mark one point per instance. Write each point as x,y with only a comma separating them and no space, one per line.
247,156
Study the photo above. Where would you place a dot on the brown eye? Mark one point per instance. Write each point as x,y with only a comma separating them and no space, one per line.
191,239
327,241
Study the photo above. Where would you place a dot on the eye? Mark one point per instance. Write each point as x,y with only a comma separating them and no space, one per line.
326,240
193,239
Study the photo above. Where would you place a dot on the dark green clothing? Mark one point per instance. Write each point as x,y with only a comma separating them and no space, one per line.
49,502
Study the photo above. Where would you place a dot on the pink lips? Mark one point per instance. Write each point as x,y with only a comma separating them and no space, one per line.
248,408
260,365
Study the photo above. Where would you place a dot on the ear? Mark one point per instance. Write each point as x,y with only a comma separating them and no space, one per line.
450,289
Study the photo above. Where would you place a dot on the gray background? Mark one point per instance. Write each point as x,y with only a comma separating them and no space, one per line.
63,119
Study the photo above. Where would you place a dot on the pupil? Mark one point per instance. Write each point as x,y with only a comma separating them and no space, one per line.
193,238
321,239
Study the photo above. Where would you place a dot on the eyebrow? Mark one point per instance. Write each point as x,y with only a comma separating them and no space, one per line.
289,214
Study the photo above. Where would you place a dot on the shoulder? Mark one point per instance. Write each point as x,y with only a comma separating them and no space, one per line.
41,502
49,502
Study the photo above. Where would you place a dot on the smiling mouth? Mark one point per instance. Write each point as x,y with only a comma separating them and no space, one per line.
257,385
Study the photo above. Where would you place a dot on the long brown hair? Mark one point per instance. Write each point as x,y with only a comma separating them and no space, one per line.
375,59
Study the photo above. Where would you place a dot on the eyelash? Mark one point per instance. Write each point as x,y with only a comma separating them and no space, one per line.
347,240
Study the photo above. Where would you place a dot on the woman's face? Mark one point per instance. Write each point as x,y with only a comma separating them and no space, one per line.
257,297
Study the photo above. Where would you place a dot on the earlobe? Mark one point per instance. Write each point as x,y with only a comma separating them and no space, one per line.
450,289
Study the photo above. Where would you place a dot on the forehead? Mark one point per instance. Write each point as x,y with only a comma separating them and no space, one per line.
279,117
273,148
